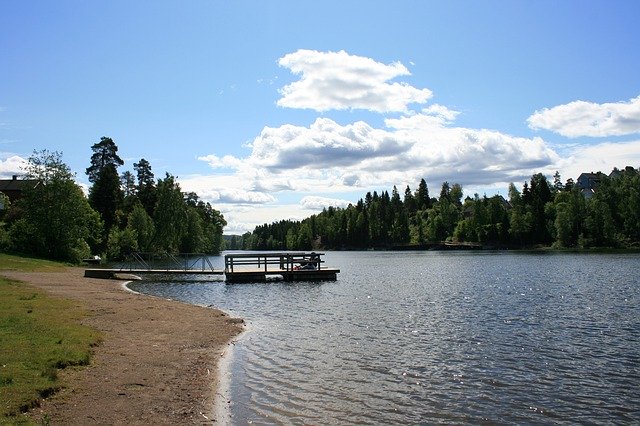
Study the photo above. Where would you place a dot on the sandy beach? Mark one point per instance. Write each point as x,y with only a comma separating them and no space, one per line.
157,363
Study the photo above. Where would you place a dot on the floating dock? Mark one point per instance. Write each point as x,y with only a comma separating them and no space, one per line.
262,267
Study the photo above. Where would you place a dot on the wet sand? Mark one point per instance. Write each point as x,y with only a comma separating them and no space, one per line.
157,362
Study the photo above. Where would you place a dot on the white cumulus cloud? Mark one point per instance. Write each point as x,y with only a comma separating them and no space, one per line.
327,157
245,197
339,81
324,144
469,156
580,118
602,157
12,165
312,202
233,188
215,162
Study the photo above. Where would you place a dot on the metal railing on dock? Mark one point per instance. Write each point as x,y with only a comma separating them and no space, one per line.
187,262
158,263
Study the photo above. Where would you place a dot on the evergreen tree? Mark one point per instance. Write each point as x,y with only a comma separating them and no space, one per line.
445,192
105,153
396,203
128,183
130,198
422,196
557,182
409,201
518,225
105,195
146,185
569,185
540,195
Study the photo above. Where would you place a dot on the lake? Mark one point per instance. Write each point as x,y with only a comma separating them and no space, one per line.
436,337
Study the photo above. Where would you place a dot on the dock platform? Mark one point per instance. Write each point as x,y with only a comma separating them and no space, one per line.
261,267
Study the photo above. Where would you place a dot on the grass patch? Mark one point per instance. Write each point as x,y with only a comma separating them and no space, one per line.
39,335
9,262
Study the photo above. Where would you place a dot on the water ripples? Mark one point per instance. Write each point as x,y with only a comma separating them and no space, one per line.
437,338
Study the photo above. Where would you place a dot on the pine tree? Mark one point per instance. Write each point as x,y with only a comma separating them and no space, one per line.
422,196
105,196
147,192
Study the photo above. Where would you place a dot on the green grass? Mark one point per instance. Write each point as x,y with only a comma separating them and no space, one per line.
10,262
39,335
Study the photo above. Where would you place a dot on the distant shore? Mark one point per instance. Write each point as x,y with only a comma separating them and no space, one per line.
442,246
157,364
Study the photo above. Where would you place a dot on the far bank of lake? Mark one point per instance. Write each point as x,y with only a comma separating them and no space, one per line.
437,336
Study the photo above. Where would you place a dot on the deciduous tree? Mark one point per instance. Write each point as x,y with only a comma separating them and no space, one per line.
57,221
170,215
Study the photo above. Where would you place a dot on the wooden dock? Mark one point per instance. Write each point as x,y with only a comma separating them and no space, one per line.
239,268
261,267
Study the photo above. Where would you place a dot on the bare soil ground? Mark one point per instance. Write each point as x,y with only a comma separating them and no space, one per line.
157,363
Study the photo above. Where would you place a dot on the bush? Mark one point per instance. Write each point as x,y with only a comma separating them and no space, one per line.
5,238
121,243
78,252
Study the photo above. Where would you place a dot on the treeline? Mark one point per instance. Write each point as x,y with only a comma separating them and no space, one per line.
123,213
541,213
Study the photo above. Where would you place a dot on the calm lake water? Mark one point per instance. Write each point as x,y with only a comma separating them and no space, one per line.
436,337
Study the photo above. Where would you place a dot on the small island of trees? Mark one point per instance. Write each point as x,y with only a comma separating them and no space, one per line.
122,213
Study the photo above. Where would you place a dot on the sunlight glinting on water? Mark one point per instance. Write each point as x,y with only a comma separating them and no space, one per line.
424,337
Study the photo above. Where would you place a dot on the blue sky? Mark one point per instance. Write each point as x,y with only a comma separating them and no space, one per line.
273,109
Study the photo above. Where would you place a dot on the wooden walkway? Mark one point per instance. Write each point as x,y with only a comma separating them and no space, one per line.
109,273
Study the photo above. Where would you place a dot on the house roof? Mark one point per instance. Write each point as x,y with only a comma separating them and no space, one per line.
591,175
16,184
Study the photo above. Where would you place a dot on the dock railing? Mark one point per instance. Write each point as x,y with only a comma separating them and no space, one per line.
166,261
271,262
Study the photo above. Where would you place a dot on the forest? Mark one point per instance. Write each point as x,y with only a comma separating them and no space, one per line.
122,213
540,214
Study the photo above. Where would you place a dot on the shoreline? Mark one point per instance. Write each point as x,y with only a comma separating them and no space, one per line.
160,361
219,411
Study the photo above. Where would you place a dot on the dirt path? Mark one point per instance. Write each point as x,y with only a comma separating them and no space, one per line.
156,364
